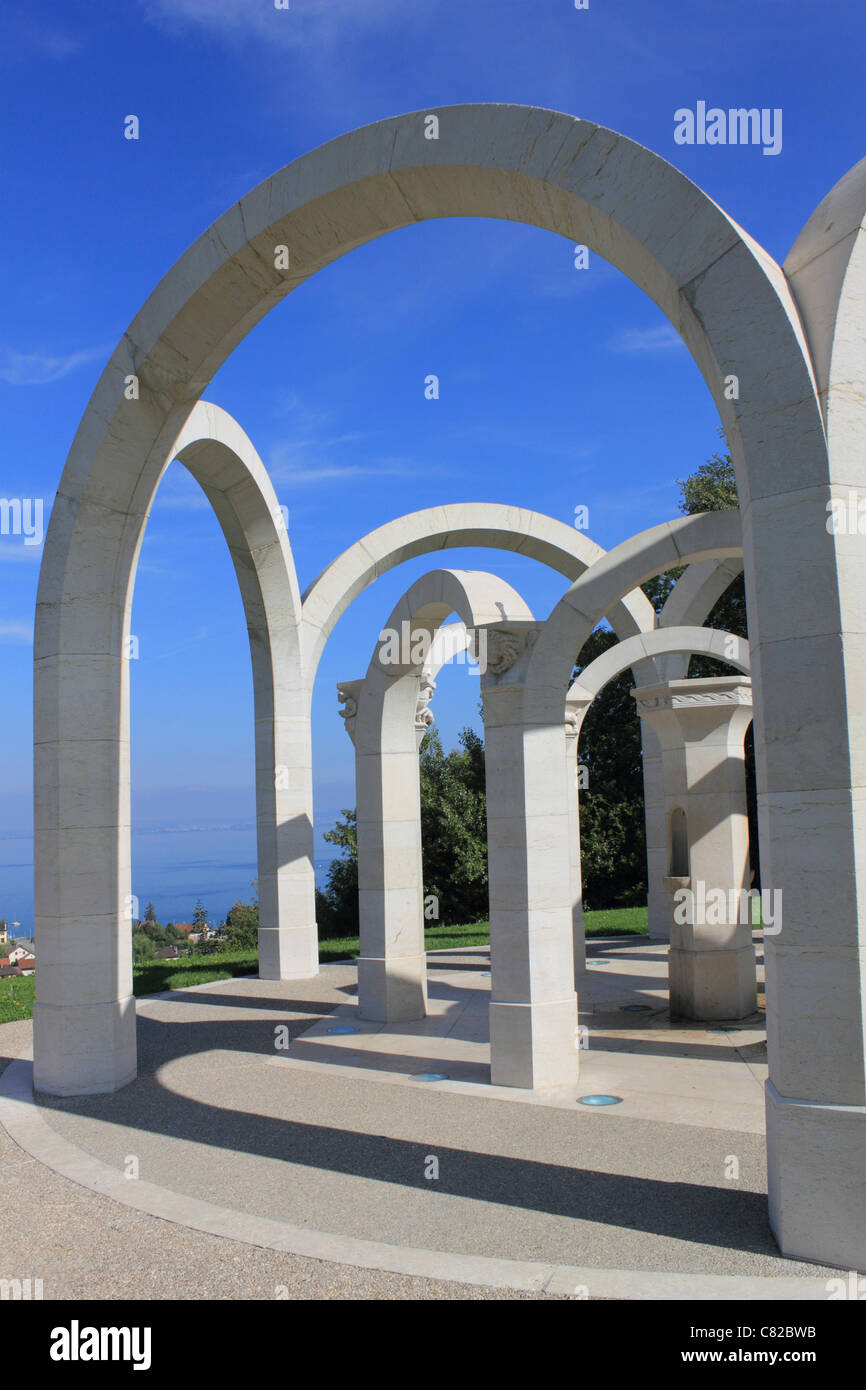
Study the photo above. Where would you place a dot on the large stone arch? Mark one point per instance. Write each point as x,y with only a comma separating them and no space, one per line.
484,525
663,645
733,308
550,542
533,1010
392,967
222,459
691,601
83,899
685,639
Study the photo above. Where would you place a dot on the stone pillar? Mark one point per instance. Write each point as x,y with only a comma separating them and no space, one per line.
573,721
701,726
533,1009
386,718
287,938
658,903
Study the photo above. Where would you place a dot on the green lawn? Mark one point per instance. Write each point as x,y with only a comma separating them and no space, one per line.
16,998
155,976
152,977
615,921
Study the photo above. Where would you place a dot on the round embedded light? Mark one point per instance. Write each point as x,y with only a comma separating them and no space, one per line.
344,1028
637,1009
599,1100
430,1076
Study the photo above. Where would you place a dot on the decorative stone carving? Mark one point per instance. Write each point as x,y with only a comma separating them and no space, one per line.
424,716
500,648
503,649
348,694
675,695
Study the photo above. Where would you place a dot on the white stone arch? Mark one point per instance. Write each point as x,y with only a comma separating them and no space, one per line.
85,914
392,967
658,646
690,602
733,308
685,639
533,1013
482,525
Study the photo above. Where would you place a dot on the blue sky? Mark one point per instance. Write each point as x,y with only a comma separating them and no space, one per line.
559,387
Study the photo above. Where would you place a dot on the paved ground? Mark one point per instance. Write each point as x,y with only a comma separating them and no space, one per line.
84,1246
222,1112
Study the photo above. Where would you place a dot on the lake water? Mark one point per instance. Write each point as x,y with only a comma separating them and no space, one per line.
171,867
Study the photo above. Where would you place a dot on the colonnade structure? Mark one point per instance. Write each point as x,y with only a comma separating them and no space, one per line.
782,352
701,725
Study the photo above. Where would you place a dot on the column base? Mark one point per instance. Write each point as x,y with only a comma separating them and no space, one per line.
84,1050
534,1045
816,1166
708,985
288,953
392,990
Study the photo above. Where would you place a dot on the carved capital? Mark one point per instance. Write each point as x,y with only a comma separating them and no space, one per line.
500,649
715,691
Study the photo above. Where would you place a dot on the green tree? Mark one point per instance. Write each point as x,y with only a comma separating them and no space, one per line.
612,834
143,947
337,905
454,827
199,916
241,927
453,834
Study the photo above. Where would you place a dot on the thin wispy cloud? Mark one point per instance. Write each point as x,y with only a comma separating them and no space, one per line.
13,548
43,368
662,338
290,475
22,37
16,631
323,22
317,436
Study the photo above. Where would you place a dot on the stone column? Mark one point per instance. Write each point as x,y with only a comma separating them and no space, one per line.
658,905
573,721
287,938
392,966
575,713
533,1009
701,726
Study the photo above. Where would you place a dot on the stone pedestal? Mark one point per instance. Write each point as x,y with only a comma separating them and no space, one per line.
701,726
